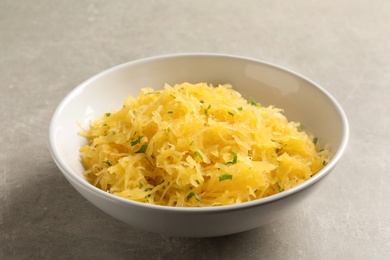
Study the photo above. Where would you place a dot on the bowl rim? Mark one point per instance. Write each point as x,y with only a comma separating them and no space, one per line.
234,207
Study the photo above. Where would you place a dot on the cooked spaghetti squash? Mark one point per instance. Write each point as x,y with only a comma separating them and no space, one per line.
197,145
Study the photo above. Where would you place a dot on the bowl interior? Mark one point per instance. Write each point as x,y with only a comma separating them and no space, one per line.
300,98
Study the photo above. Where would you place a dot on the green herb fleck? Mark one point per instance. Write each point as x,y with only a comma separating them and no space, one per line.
207,109
142,149
191,194
301,127
198,154
253,102
234,161
230,113
170,112
315,140
279,187
108,114
137,141
108,163
104,125
324,163
239,108
141,185
225,177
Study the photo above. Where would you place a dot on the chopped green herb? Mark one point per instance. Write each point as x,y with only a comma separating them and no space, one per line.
239,108
278,150
225,177
108,163
315,140
108,114
201,101
191,194
173,96
197,182
324,163
230,113
142,149
301,127
253,102
207,109
280,188
104,125
234,157
137,141
192,142
141,185
234,161
198,154
170,112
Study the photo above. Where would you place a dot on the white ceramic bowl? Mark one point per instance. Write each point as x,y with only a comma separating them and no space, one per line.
302,100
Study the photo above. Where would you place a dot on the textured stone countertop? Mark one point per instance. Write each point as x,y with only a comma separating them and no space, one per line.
48,47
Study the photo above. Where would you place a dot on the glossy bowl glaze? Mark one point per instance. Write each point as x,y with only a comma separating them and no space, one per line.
301,99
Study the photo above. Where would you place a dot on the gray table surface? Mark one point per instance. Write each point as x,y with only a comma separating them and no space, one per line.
49,47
